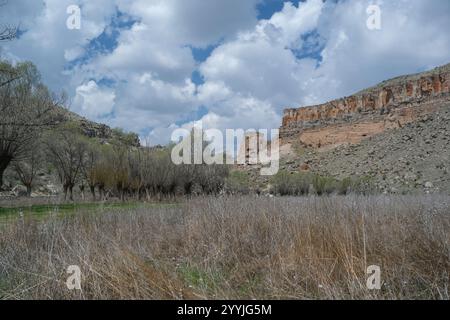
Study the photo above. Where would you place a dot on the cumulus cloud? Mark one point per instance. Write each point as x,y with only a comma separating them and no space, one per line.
250,79
304,54
152,65
411,40
276,65
93,101
197,23
46,40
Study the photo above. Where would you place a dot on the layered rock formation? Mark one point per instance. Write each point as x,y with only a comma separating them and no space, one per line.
391,104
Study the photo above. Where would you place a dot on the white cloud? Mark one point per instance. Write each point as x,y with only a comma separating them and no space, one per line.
153,63
257,69
411,40
194,22
250,79
47,41
262,64
93,101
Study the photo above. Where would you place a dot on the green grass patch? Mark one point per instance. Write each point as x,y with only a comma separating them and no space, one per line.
41,211
197,278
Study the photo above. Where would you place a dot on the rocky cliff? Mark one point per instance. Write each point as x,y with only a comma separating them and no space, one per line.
391,104
411,159
97,130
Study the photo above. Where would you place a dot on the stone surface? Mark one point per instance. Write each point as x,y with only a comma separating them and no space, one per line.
395,135
413,158
391,104
95,130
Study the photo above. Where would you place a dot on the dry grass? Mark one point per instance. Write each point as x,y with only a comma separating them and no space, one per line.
223,248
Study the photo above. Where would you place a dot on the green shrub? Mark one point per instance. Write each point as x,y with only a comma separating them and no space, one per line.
237,182
299,184
290,184
344,186
324,185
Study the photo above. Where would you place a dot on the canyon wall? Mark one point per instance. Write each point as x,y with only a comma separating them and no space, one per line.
389,105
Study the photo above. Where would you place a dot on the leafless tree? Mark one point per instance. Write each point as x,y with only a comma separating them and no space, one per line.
26,109
67,151
7,32
91,163
121,169
28,168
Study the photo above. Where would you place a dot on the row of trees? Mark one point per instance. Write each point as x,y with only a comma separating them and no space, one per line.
114,169
34,135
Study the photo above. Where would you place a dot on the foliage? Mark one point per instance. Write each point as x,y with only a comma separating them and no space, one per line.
299,184
238,182
292,184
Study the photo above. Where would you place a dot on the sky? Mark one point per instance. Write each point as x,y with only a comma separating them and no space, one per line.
152,66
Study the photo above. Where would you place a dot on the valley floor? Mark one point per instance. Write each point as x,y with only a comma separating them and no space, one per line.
233,248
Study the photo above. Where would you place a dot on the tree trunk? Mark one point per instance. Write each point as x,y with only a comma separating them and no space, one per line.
71,192
1,177
65,188
101,190
82,192
92,192
4,163
139,194
28,190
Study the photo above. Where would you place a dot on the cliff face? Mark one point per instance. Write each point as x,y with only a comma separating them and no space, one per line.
391,104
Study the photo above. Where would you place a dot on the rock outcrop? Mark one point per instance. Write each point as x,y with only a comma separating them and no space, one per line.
411,159
97,130
391,104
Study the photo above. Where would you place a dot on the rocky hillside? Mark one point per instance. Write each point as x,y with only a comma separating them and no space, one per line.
389,105
414,158
96,130
396,134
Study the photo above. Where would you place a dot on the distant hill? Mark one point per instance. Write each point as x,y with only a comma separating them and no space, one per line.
391,104
395,135
97,130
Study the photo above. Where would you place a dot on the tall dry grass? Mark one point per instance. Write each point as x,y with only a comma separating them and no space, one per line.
237,247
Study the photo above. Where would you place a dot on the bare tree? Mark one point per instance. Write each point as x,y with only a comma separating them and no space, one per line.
97,170
7,32
121,172
28,168
90,165
26,109
67,151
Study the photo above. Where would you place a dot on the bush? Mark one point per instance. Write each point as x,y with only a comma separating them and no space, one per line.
324,185
344,186
291,184
237,183
299,184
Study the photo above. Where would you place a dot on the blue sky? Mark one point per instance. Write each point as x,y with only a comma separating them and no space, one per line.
152,66
268,7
